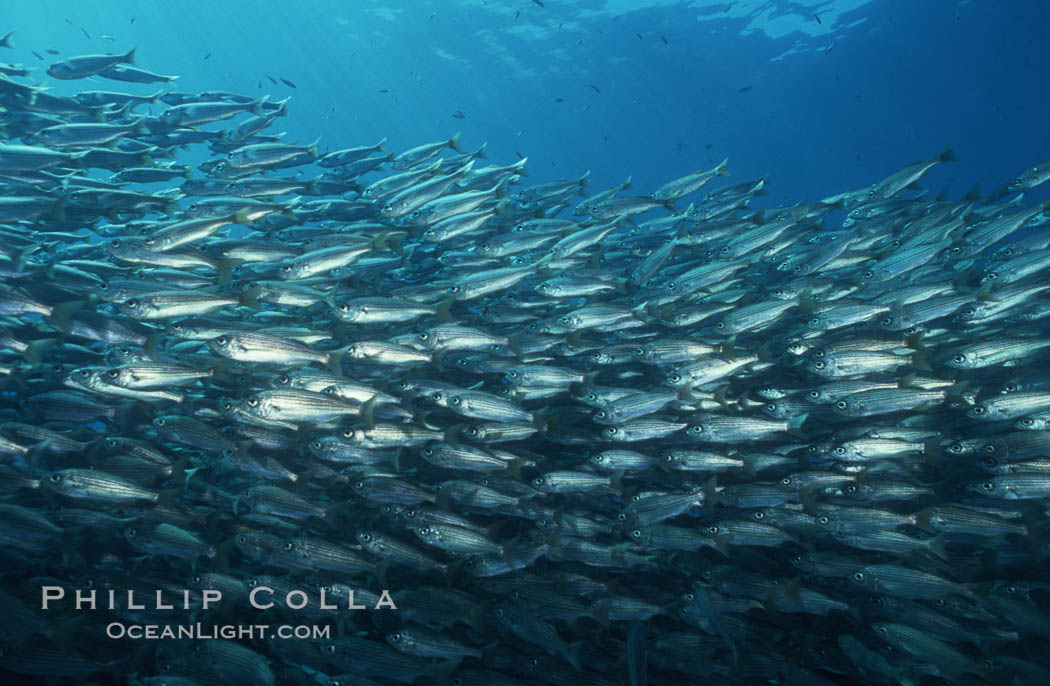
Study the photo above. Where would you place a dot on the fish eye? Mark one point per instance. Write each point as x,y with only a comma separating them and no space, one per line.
760,515
349,433
367,538
720,325
636,533
851,489
1027,421
622,517
786,481
159,421
713,529
252,401
725,250
819,365
969,312
858,576
455,400
823,519
868,274
814,321
814,394
316,445
55,478
289,546
840,450
453,289
674,378
842,404
222,340
978,410
990,449
600,415
959,359
423,336
886,321
988,486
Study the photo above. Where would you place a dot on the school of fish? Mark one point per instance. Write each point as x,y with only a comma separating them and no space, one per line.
581,437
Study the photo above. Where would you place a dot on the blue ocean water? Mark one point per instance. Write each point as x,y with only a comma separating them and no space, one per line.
818,97
824,96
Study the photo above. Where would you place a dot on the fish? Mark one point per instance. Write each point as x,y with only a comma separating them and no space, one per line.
579,436
83,66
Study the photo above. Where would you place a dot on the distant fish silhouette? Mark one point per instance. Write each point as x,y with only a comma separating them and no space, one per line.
288,83
272,80
594,87
817,17
38,55
559,99
663,39
537,2
86,34
520,156
744,89
459,115
51,51
207,56
384,90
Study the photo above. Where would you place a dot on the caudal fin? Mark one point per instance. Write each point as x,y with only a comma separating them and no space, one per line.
948,155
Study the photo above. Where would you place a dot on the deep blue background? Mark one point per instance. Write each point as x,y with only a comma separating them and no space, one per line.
903,79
